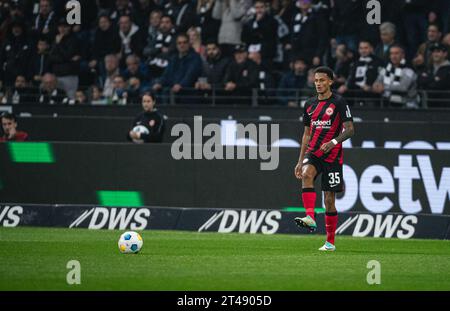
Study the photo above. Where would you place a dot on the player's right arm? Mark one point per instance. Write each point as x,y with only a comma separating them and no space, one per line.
305,141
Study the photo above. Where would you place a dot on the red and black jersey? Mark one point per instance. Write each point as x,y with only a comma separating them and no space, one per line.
325,118
20,136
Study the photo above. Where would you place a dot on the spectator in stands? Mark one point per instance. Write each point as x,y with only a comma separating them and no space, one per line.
387,36
80,97
119,94
422,61
260,32
45,21
106,41
308,36
266,83
96,96
145,10
284,10
414,16
347,20
292,81
153,27
397,82
131,37
208,25
231,14
446,40
9,126
282,38
39,63
437,77
122,8
21,93
241,76
159,50
136,69
150,119
15,53
182,13
65,58
183,69
135,90
363,73
440,14
342,66
9,12
111,70
214,68
195,40
310,87
49,93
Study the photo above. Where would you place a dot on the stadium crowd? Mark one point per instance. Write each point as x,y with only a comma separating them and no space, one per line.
123,48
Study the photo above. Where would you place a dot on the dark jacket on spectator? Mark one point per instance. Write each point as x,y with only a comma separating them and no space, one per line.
383,54
182,13
136,44
57,96
215,69
14,58
309,37
364,71
290,80
40,24
265,85
23,95
262,32
436,80
105,42
61,56
209,25
156,59
347,16
182,70
245,75
39,65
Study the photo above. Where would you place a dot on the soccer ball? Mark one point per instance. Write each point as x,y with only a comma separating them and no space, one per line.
130,242
142,130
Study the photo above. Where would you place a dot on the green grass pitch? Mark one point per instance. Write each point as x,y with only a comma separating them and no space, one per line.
36,258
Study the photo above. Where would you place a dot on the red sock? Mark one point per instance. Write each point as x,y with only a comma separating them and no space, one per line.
330,226
309,201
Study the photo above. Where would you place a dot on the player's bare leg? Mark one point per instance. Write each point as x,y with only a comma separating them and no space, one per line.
330,221
308,174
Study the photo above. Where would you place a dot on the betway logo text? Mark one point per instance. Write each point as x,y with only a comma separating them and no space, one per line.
400,226
10,216
244,221
380,188
114,218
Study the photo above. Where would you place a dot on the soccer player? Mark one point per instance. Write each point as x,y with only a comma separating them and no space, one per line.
10,132
328,122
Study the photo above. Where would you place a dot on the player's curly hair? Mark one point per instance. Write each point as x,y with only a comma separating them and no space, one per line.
326,70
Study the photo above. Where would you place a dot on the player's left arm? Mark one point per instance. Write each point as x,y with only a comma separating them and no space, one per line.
349,131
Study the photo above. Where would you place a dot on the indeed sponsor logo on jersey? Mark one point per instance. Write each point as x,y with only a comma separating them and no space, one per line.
318,123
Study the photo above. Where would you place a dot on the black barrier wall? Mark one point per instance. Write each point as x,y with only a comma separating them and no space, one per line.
97,129
220,220
376,180
224,111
